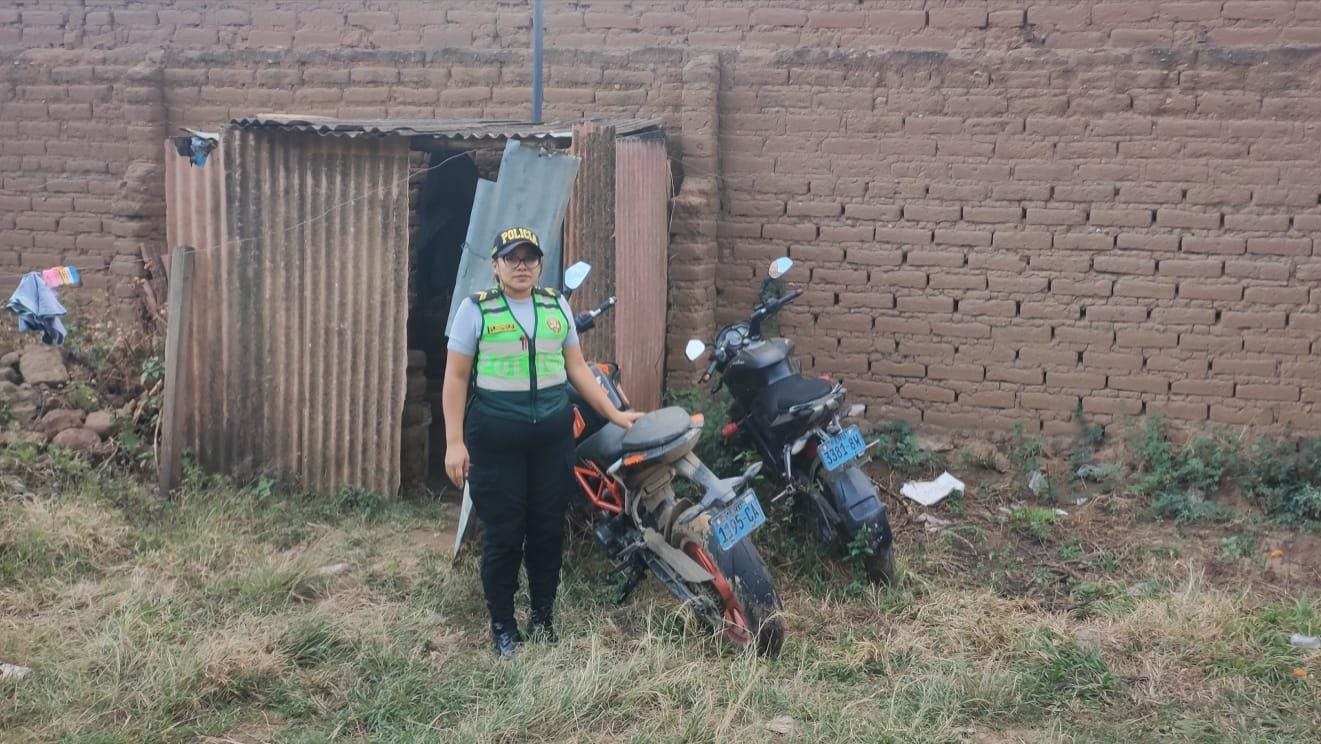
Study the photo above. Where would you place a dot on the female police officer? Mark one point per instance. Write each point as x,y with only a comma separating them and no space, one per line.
515,446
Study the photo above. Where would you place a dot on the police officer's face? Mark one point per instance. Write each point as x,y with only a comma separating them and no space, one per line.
519,269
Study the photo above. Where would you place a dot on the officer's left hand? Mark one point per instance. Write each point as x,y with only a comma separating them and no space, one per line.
625,419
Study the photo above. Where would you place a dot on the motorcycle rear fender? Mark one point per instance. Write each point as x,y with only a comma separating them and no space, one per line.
856,500
716,491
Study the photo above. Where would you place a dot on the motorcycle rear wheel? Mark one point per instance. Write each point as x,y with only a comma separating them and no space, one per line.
750,606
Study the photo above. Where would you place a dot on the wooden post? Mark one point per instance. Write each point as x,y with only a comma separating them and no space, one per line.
179,312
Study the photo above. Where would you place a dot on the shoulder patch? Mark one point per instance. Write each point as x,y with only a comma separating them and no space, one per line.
548,291
484,295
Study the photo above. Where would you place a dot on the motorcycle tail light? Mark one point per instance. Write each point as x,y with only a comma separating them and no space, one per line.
729,430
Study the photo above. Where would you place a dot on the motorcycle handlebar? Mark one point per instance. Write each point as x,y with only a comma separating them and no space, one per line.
586,321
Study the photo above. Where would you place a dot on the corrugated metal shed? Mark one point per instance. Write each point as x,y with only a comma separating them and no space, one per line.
455,129
642,236
297,342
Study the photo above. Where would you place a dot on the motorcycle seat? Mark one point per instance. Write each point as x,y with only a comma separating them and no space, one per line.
657,428
788,392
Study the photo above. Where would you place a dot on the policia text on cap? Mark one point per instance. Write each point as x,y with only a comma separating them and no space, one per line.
515,443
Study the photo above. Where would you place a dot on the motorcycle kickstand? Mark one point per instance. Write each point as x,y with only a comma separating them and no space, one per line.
634,577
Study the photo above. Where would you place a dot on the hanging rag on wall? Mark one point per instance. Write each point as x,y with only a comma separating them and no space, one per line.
37,307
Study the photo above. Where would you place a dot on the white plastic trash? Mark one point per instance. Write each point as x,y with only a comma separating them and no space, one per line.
1305,641
928,493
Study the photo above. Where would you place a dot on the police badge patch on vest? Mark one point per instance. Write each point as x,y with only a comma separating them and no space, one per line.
554,325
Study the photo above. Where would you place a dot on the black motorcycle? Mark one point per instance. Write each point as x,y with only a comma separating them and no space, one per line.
700,550
793,421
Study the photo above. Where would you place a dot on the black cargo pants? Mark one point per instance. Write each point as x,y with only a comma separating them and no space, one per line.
520,478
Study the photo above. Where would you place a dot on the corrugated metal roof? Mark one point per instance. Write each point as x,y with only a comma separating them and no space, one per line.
455,129
297,341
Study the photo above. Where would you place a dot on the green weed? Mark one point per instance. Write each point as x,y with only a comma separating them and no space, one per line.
1026,451
1286,481
896,446
1035,521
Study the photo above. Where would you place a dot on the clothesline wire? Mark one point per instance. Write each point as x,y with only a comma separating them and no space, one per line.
347,202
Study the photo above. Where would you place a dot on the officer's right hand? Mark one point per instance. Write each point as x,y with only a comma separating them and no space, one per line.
456,463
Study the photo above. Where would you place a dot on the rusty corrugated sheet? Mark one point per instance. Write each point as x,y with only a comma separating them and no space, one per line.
589,230
642,187
453,129
298,343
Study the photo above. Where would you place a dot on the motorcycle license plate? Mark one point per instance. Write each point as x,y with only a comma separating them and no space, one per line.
842,447
738,520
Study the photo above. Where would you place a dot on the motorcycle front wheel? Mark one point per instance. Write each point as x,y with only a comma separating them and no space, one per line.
750,608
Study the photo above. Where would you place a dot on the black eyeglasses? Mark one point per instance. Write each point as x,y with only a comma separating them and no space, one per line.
515,261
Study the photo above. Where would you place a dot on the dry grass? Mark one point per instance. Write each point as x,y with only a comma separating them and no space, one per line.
211,619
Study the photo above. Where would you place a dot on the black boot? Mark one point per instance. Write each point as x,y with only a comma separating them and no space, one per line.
541,626
505,638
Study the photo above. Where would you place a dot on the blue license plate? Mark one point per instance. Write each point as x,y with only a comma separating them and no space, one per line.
738,520
842,447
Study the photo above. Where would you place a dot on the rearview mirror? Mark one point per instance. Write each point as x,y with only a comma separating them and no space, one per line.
694,349
780,267
575,275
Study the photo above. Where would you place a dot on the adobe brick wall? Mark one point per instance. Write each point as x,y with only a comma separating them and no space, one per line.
1005,209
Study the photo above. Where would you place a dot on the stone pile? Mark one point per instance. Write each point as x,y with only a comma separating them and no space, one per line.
31,379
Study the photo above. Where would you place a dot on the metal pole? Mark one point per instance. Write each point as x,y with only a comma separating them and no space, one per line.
537,28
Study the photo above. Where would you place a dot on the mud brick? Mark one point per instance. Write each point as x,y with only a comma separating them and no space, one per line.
1277,295
1146,339
1112,406
1254,391
1084,241
1183,316
1012,335
989,399
947,259
925,304
1075,380
1111,360
961,330
1208,342
1145,383
1048,401
1252,319
1198,244
1017,375
962,237
1124,265
1015,240
1194,291
1120,217
1154,243
1247,415
1056,216
995,308
931,393
943,280
1117,313
1280,246
1205,388
1084,288
903,236
961,372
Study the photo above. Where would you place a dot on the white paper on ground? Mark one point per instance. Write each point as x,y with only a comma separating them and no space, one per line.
928,493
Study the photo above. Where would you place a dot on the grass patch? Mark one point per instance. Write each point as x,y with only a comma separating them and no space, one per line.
208,617
1034,521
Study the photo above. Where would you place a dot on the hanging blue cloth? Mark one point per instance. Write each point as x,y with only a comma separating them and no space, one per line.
38,309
